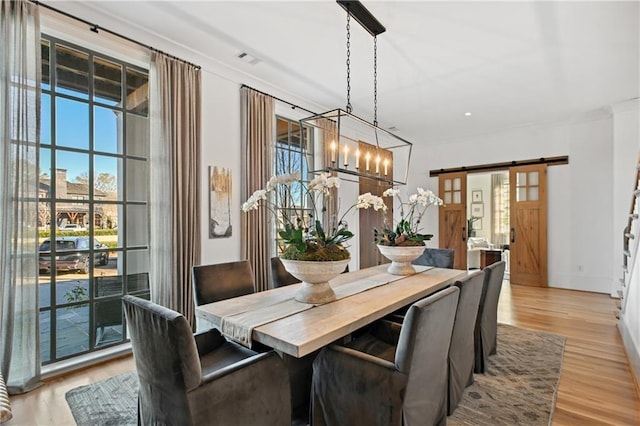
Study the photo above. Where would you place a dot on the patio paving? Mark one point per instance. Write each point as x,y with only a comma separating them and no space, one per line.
72,323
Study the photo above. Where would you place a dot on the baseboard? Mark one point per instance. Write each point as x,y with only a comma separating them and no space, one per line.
633,356
87,360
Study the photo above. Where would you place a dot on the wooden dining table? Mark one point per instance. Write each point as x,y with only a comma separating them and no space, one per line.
304,332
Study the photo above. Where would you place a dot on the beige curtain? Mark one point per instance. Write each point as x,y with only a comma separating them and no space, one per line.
175,182
20,78
499,217
258,134
329,133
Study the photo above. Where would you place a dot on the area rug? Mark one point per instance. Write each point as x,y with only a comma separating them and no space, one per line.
109,402
519,388
521,382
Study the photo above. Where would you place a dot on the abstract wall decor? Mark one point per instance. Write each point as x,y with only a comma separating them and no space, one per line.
219,202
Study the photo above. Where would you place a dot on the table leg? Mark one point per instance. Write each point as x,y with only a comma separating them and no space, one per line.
300,372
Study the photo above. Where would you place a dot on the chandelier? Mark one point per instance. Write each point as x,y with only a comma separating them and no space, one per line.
346,143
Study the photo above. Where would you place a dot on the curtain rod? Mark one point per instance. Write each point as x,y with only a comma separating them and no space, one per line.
551,161
95,28
294,106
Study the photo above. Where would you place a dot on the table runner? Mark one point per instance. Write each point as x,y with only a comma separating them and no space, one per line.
239,326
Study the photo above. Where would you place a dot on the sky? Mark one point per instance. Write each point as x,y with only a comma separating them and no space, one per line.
73,131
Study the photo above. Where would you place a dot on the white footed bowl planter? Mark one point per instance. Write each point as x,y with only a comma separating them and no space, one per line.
401,258
315,278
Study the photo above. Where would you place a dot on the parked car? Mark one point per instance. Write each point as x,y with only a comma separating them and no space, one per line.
72,227
71,254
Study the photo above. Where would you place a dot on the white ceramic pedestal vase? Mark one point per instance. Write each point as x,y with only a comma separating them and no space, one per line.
401,258
315,278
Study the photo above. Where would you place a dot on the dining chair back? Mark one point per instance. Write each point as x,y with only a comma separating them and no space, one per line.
279,275
212,283
359,384
440,258
486,327
461,350
192,379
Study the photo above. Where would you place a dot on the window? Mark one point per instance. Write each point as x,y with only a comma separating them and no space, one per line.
293,153
93,188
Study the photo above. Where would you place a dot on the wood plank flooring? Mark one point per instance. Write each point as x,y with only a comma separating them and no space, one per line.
596,387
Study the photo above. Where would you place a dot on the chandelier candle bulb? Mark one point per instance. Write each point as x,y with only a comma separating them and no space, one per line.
386,164
366,160
378,165
357,158
346,155
333,151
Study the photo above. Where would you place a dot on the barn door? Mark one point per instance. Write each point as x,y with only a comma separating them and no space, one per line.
369,220
528,239
453,216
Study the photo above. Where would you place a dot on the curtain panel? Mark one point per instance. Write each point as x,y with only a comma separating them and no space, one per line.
499,231
330,216
175,182
20,78
258,134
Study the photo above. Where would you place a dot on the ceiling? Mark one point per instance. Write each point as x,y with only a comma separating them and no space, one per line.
508,63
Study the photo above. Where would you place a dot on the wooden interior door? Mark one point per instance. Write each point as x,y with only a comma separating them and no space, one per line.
453,216
369,220
528,239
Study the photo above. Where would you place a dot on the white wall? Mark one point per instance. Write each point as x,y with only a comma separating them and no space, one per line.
579,194
220,147
481,182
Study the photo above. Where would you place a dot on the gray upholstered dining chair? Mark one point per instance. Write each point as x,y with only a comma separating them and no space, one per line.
221,281
461,351
279,275
188,379
440,258
377,379
461,361
487,322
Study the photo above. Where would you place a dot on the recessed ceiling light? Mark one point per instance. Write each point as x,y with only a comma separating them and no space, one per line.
245,57
467,114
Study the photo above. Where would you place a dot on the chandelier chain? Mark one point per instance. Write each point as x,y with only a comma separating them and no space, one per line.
375,81
349,108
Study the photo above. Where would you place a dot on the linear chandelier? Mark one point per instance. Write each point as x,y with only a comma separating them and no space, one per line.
349,144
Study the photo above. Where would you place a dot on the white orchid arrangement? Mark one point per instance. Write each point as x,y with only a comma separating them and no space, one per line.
305,237
407,231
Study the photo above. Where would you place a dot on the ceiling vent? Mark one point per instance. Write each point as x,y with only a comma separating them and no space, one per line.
245,57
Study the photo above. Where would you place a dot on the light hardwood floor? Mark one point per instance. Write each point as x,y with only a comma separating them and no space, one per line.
596,386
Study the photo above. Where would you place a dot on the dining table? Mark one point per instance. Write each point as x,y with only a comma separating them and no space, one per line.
275,319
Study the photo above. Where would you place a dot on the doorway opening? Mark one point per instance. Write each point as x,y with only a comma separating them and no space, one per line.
488,219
